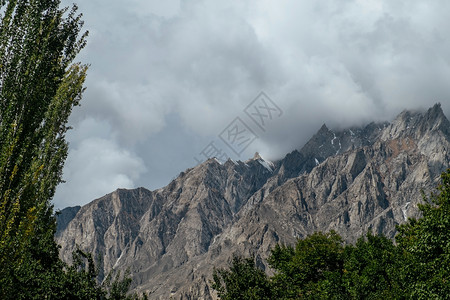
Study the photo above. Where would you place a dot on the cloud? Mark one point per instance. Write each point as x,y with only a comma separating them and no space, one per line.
167,78
95,167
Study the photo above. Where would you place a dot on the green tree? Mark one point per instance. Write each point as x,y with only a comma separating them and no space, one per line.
39,86
242,281
78,281
313,269
371,269
425,246
118,288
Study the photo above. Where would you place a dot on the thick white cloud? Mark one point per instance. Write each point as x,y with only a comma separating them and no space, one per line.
97,167
167,77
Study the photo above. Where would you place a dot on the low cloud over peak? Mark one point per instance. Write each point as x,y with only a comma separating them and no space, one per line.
166,80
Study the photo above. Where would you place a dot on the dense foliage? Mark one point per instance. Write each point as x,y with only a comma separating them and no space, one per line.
242,281
322,267
39,86
424,246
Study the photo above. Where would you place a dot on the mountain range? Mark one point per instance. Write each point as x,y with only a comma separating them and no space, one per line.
351,181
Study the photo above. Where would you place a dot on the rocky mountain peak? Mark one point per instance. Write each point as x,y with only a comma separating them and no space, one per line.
436,119
323,129
435,113
418,124
256,156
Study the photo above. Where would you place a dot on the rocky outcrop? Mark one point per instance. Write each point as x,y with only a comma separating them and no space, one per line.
352,180
64,217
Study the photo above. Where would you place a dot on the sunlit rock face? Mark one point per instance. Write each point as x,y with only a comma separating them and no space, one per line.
351,181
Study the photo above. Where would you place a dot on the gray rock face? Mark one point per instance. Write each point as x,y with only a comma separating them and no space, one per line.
350,181
64,217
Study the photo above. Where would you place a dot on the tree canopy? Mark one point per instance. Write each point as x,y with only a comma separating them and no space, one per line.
39,85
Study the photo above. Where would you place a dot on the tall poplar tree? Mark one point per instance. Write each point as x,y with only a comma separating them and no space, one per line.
39,86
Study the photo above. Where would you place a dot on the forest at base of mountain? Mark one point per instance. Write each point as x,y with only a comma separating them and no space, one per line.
320,266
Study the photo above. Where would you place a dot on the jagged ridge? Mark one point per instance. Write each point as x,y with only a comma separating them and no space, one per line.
350,181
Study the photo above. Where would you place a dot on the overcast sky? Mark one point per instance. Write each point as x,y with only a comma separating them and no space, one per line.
170,79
